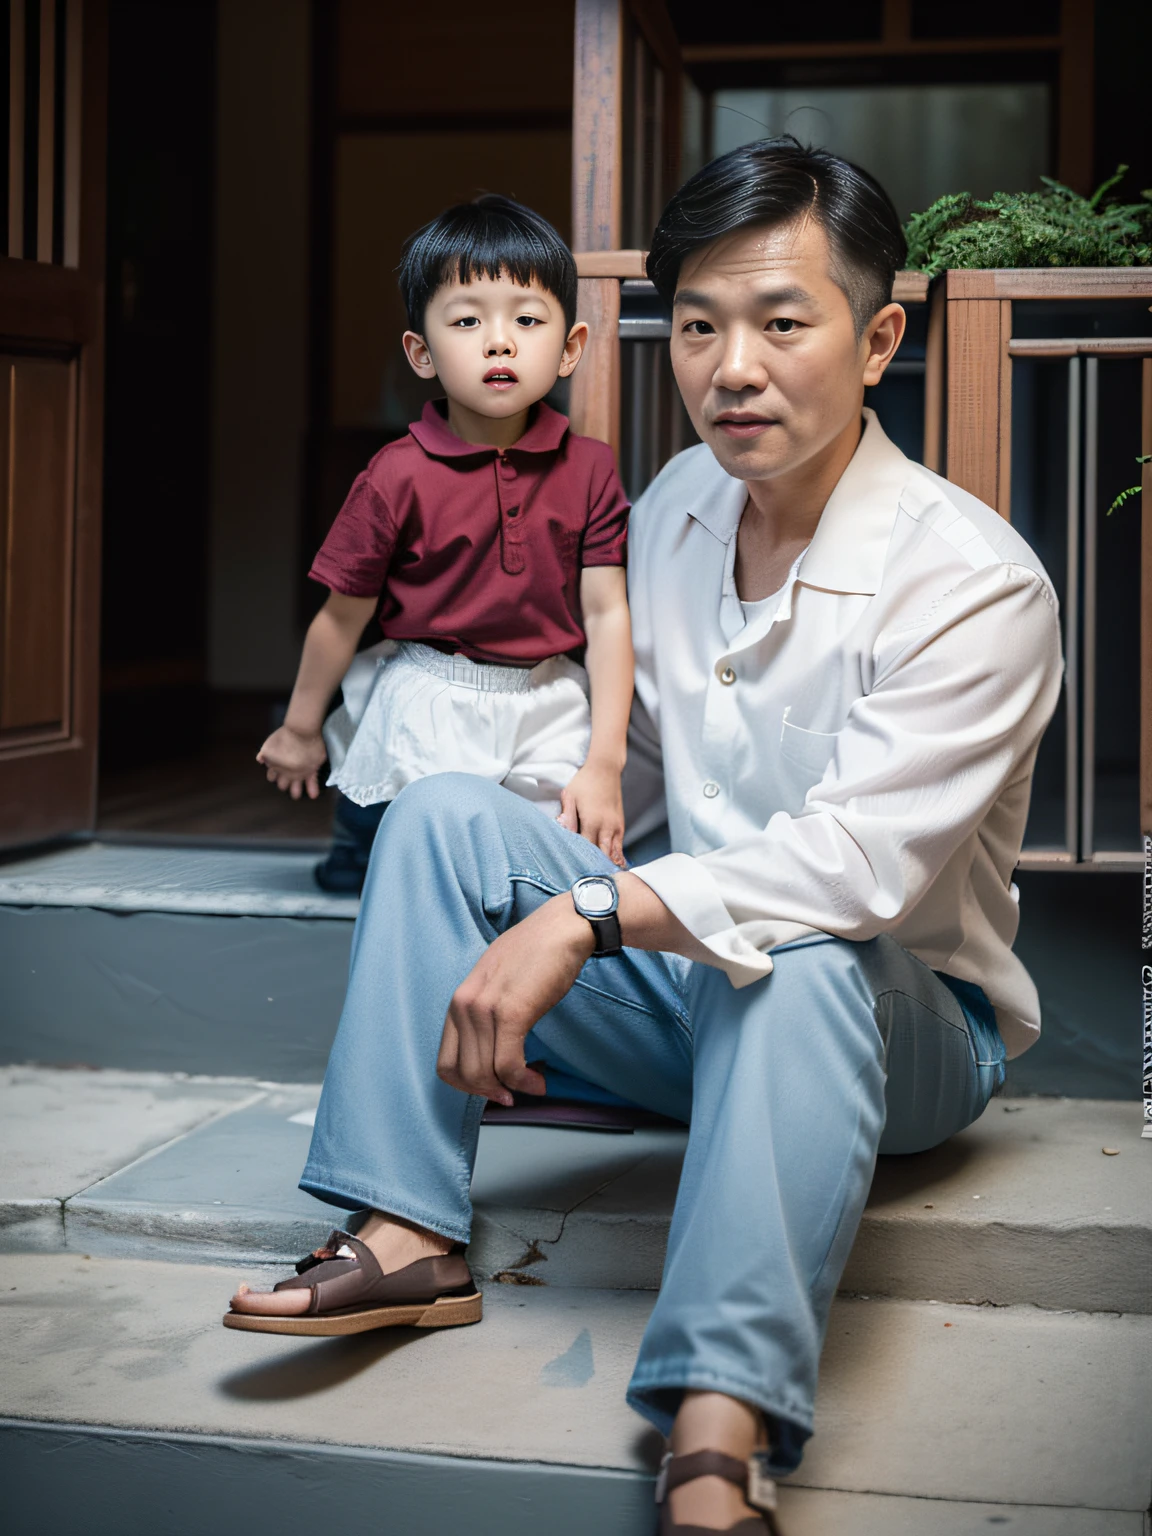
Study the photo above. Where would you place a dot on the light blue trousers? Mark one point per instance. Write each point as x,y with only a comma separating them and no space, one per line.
791,1086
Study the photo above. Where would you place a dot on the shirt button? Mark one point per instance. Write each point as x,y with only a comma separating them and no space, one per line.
711,790
727,677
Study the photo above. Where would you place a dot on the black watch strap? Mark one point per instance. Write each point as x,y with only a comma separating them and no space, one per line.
595,898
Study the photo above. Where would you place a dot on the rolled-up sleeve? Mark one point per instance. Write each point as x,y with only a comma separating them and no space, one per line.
951,721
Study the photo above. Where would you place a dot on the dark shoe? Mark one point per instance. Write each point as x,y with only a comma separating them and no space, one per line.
342,872
757,1487
353,833
350,1294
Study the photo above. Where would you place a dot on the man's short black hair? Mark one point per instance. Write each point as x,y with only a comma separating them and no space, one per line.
778,181
490,237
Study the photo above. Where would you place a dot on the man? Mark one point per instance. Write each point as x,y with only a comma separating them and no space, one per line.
844,667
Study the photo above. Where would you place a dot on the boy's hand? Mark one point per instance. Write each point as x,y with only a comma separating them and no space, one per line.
294,761
591,804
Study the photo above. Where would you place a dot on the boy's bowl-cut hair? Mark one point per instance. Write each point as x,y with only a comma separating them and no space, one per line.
778,181
490,237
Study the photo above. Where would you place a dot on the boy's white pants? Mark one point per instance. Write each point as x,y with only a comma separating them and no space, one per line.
409,711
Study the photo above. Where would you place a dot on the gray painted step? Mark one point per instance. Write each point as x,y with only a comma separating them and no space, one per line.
1014,1407
185,1485
229,961
1024,1206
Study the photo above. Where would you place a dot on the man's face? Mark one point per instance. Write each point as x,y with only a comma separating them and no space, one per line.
765,352
497,348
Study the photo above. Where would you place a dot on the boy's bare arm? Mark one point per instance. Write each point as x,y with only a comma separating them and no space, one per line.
294,754
591,804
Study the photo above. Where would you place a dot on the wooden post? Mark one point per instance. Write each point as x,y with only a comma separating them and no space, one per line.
979,397
597,190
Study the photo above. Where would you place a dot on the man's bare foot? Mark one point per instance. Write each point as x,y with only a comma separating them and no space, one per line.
393,1243
710,1421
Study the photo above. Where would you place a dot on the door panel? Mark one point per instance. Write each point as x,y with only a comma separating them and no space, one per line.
37,408
51,416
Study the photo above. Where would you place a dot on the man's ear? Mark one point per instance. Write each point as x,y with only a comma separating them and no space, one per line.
418,355
879,342
573,348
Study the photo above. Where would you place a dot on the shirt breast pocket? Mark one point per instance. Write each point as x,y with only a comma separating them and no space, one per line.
808,751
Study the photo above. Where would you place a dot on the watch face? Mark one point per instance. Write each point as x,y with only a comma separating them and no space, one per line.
597,897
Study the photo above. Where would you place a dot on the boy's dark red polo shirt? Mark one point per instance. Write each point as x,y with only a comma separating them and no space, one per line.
476,549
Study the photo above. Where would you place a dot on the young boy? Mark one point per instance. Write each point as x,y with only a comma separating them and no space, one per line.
489,541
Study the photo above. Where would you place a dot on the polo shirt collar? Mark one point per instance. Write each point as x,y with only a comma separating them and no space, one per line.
545,433
851,539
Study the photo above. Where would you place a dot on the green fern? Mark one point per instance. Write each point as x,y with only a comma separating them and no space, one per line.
1053,228
1133,490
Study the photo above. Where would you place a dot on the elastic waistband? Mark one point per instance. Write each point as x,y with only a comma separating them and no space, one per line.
481,675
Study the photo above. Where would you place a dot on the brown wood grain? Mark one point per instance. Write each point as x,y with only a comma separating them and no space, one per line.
1051,283
619,264
39,475
597,125
1146,603
975,356
1087,346
594,403
1003,502
934,382
739,53
910,288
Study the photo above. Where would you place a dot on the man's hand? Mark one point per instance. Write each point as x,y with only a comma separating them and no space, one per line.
520,976
591,804
293,761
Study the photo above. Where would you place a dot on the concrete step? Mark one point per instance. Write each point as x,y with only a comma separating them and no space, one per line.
232,961
931,1418
1023,1207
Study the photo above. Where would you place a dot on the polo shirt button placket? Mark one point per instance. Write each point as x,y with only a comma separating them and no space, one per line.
711,790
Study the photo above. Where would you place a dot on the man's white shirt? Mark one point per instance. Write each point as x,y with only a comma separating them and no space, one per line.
857,759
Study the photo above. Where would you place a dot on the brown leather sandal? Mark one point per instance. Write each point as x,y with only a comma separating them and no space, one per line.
350,1294
749,1476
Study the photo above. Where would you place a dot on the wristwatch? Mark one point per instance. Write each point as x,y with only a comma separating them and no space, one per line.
596,898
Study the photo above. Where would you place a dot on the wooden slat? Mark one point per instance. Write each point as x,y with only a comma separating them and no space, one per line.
974,396
1087,346
594,403
741,53
1051,283
597,125
618,264
73,111
934,383
37,579
1146,604
910,288
16,39
46,149
1003,502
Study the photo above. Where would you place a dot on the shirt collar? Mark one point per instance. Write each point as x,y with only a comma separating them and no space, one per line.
545,433
851,539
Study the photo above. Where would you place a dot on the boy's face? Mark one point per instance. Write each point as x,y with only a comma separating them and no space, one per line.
497,348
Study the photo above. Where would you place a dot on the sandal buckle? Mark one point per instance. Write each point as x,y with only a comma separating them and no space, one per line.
662,1478
761,1487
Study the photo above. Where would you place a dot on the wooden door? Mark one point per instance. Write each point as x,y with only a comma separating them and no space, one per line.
51,402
